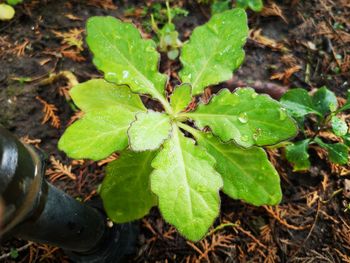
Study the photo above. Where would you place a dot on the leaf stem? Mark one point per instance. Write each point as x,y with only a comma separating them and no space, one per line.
168,109
168,12
219,227
188,128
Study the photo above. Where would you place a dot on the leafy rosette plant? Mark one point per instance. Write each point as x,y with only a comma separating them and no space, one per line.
323,112
163,160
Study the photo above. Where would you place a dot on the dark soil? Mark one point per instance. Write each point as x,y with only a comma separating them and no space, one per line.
311,224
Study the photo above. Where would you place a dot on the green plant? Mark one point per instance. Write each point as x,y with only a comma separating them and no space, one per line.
14,2
218,6
7,12
323,110
163,160
167,36
255,5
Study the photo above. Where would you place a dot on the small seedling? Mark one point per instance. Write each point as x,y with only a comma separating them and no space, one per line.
14,253
163,160
255,5
167,36
323,112
218,6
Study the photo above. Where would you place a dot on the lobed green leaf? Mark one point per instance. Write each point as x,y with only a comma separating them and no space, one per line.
125,190
298,103
124,57
246,117
298,155
98,94
149,131
109,110
214,50
247,173
187,186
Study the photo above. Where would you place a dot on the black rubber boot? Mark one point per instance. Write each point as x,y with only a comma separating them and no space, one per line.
37,211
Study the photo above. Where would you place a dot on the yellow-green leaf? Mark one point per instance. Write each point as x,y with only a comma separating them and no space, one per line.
109,110
6,12
124,57
181,97
246,117
126,191
247,173
187,186
149,131
324,101
214,50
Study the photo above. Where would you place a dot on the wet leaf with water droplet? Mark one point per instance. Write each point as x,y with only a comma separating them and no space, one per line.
124,57
247,173
214,50
324,101
298,103
248,122
242,117
283,114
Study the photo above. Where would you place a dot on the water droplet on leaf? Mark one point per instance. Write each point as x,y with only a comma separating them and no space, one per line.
125,74
242,117
244,138
256,134
283,114
111,76
332,107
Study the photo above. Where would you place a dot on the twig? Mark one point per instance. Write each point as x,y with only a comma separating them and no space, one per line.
283,221
309,234
251,236
219,227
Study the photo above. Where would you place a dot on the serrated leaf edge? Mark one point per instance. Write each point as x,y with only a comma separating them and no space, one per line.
187,114
156,147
